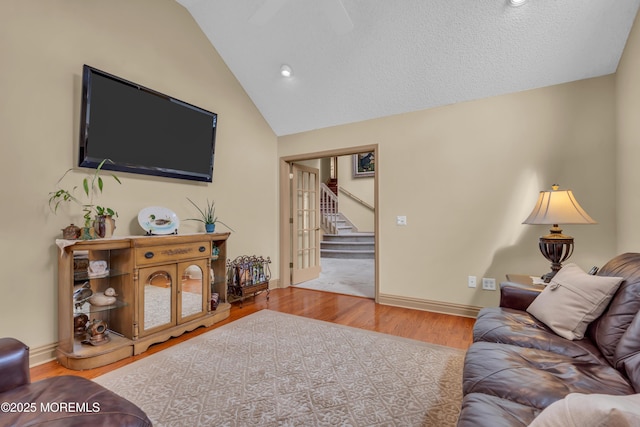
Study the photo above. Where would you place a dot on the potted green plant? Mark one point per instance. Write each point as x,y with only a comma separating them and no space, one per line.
207,216
91,186
105,224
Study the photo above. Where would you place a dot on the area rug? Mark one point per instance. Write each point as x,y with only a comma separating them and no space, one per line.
276,369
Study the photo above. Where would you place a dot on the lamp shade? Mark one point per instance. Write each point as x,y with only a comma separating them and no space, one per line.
558,207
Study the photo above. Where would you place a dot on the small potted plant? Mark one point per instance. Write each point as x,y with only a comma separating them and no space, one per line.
105,224
207,216
91,186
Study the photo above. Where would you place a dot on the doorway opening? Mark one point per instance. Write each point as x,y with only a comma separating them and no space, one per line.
303,225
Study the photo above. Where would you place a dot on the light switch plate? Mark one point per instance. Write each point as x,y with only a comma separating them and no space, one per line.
488,284
472,281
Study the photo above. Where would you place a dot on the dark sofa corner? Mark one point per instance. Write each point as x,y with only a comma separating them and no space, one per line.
65,401
517,366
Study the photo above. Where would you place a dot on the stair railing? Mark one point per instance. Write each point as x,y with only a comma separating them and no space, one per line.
356,198
328,209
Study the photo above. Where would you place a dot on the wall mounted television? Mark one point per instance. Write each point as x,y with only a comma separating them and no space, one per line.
143,131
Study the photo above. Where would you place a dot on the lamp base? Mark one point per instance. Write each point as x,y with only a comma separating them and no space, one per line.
557,249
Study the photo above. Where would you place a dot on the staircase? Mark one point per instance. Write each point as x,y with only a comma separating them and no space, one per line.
348,245
340,224
341,238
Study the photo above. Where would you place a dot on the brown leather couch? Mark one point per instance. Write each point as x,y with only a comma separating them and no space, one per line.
517,366
65,401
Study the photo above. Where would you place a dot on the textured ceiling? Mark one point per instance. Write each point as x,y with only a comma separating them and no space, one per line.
405,55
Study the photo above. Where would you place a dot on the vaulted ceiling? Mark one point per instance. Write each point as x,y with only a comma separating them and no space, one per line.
354,60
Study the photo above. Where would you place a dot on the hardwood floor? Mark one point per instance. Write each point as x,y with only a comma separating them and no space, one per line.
452,331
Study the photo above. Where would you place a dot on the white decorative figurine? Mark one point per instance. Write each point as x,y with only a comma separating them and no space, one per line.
107,297
98,268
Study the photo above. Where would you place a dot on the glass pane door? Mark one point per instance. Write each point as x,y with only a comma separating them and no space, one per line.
306,224
194,283
157,296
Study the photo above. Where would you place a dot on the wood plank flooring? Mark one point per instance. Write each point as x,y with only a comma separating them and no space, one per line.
452,331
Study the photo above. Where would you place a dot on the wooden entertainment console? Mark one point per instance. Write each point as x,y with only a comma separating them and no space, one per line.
163,286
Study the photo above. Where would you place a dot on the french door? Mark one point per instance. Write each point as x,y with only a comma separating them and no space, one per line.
305,214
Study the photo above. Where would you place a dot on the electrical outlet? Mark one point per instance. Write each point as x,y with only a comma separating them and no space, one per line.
401,220
488,284
472,282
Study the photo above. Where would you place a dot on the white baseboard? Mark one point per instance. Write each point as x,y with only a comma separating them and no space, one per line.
428,305
40,355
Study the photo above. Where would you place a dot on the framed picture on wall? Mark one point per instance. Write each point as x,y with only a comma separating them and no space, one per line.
364,164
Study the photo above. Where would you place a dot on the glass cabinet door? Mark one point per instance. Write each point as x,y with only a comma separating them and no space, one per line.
192,294
157,293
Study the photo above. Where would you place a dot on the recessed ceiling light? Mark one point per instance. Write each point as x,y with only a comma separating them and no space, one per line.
516,3
286,71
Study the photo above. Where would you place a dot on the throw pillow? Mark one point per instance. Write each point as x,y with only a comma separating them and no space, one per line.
591,410
572,300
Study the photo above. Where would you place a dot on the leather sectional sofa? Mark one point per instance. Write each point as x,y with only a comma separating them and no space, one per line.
519,371
64,401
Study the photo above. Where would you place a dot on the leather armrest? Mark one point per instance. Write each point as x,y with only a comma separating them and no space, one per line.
14,364
518,296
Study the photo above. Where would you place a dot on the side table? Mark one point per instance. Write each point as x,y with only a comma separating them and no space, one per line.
532,283
526,281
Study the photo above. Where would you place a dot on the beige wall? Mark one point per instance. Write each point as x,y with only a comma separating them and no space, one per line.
467,175
363,188
43,45
628,126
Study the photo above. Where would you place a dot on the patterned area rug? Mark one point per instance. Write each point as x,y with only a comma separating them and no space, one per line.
276,369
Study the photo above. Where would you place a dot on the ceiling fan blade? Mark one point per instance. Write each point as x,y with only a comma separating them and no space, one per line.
267,11
338,16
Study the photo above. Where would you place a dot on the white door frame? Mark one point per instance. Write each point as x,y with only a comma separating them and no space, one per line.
285,204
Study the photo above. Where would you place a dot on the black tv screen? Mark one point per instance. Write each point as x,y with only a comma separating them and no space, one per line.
143,131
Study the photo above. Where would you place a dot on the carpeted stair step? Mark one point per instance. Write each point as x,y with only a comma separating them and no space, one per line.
348,246
346,254
343,225
352,237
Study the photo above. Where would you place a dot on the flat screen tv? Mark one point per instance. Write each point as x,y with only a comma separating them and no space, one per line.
143,131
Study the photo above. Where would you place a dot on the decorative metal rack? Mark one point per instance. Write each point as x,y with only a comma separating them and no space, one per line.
248,275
